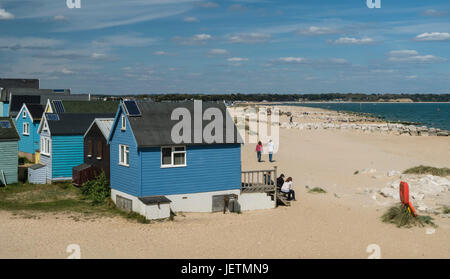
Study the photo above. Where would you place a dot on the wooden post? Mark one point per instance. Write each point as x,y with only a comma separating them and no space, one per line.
275,184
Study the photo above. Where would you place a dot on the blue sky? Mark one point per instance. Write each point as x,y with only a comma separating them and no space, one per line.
246,46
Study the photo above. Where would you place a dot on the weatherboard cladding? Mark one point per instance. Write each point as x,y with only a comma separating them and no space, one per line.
28,143
209,168
67,152
9,160
124,179
37,174
154,127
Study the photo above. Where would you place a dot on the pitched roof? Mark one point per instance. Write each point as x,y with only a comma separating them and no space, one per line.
103,124
5,93
17,102
71,106
9,133
18,83
36,111
73,123
154,126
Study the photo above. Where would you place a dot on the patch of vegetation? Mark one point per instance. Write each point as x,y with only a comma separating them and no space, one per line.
400,216
317,190
428,170
356,172
24,160
446,210
97,190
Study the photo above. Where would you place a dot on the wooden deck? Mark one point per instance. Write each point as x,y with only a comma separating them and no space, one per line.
263,181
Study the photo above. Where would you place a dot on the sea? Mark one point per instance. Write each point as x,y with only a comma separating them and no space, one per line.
436,115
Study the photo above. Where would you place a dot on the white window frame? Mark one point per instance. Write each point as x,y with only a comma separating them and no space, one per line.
45,146
173,152
24,114
123,122
26,129
126,155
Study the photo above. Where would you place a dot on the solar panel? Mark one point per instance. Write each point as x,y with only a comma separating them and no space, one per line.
5,124
58,106
52,116
132,108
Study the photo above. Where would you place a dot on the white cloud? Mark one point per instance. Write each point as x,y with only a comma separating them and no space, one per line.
194,40
353,41
14,43
295,60
434,13
98,56
4,15
161,53
249,38
126,40
208,4
237,59
202,37
412,56
315,30
218,51
190,19
410,77
59,18
237,7
338,61
433,36
66,71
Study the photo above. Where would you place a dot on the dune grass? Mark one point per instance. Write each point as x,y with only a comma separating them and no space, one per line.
401,217
317,190
446,210
28,199
428,170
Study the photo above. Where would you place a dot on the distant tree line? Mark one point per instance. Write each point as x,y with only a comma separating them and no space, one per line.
327,97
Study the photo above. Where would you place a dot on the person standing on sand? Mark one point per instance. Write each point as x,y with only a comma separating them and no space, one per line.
270,150
287,188
259,150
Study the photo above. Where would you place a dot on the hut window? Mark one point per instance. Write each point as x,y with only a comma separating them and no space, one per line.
124,123
99,150
26,129
173,156
24,115
45,146
124,155
89,148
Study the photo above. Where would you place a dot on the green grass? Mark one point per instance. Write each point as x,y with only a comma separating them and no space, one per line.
428,170
28,199
401,217
446,210
356,172
317,190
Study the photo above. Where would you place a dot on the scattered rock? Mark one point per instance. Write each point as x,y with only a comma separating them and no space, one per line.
393,173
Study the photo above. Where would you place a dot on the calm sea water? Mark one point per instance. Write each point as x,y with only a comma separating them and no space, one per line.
435,115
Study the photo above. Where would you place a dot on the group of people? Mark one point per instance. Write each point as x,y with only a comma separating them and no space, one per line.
259,148
284,186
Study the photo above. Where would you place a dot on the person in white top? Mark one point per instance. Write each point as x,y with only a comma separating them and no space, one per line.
270,150
288,188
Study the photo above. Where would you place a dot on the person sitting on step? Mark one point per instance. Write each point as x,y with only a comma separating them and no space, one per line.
288,188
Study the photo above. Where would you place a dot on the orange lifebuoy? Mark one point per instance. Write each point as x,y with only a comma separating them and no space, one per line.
404,198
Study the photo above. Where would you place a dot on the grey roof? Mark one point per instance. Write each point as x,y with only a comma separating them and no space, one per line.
36,166
154,200
8,133
154,126
6,92
103,124
18,82
74,123
36,111
17,102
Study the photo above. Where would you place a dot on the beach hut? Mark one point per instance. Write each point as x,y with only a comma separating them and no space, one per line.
96,152
27,122
61,142
9,149
148,167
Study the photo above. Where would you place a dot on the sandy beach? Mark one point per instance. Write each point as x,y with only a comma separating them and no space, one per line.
339,224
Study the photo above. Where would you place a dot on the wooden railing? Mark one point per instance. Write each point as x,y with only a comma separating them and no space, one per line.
259,181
